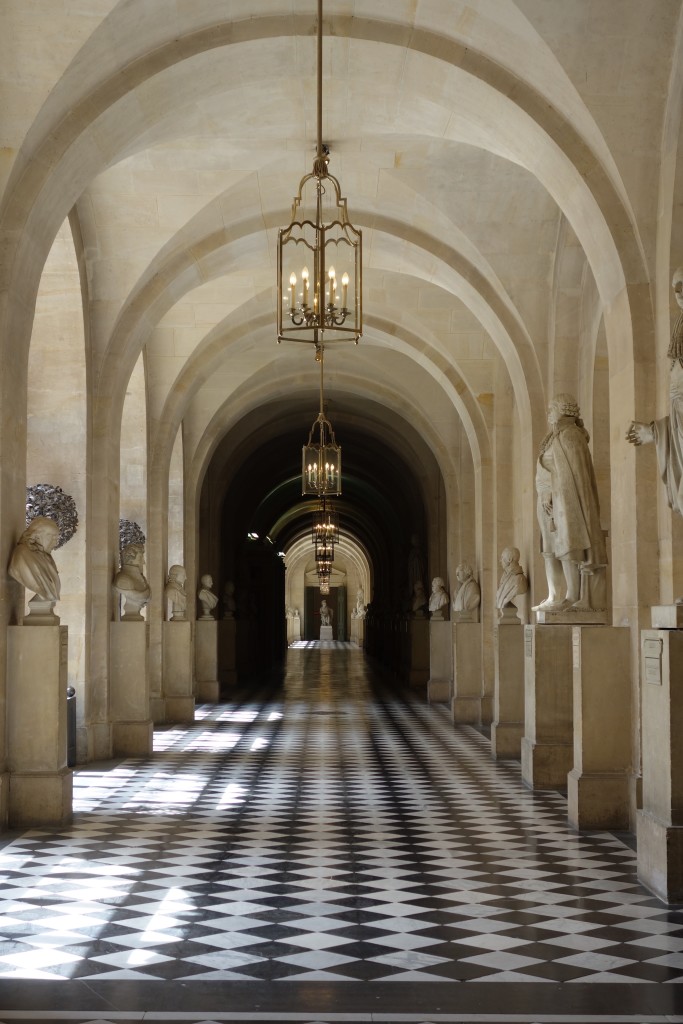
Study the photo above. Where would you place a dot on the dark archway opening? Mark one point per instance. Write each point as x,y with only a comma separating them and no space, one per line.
251,509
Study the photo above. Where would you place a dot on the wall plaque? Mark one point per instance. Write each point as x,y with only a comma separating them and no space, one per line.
652,658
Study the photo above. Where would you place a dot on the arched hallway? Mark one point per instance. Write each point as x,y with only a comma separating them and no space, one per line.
305,849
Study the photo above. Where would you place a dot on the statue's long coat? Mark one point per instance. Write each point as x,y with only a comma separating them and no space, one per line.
574,529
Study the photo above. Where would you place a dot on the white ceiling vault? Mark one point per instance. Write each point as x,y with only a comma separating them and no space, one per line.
499,156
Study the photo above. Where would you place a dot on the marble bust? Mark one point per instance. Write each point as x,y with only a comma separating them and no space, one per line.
229,603
513,582
439,599
33,566
130,583
419,600
568,509
359,609
468,595
175,592
206,597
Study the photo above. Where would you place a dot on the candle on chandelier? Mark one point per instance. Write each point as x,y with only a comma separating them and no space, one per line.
292,286
345,289
304,278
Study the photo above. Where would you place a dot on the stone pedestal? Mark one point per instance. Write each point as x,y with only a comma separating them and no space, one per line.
660,822
467,679
293,628
326,633
177,681
206,660
418,669
547,745
358,631
227,652
129,705
598,784
40,784
507,729
440,685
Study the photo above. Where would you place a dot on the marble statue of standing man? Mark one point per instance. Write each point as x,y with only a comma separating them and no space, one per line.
568,509
667,434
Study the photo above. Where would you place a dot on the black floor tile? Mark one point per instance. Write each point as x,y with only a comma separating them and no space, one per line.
365,823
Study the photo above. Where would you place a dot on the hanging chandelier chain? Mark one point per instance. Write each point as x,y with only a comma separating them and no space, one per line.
320,80
320,356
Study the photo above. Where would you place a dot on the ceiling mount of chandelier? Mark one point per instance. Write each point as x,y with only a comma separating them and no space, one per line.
319,256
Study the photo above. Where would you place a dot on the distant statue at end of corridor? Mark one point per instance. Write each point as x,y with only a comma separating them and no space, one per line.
325,614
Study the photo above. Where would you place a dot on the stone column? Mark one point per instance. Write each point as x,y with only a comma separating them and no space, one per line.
178,671
40,784
227,652
206,660
129,703
467,677
507,729
418,669
598,784
440,684
660,822
547,747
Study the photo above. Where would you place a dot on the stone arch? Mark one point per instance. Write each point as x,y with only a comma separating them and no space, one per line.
57,441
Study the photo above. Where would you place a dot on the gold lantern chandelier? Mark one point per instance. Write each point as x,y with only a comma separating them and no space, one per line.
321,455
319,256
325,533
325,530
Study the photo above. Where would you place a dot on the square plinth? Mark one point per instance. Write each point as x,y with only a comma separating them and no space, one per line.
440,660
38,798
547,748
667,616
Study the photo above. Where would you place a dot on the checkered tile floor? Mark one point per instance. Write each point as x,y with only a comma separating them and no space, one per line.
326,830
